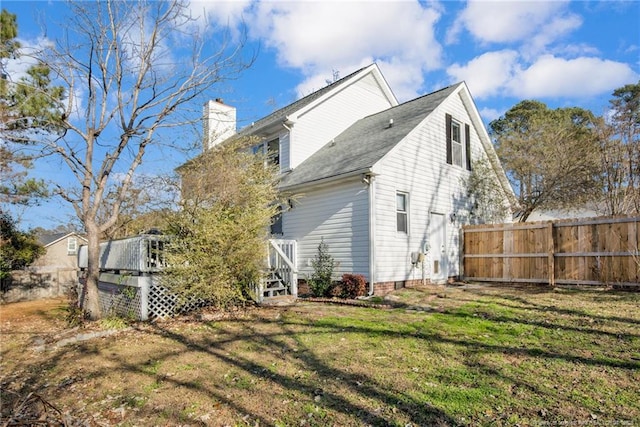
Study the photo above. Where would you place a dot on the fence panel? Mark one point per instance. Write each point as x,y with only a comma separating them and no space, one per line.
598,251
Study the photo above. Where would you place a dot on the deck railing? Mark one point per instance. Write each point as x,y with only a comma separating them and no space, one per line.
140,254
129,285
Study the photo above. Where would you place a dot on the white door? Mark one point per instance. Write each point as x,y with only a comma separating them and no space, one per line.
438,248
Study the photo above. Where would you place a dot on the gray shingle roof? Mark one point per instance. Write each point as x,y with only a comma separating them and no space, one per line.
365,142
49,238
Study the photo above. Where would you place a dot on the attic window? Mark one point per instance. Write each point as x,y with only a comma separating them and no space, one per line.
271,149
72,246
458,144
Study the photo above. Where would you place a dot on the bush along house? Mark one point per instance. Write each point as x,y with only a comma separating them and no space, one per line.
381,183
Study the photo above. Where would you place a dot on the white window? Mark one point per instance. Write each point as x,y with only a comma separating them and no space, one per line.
271,149
402,212
456,143
276,222
72,246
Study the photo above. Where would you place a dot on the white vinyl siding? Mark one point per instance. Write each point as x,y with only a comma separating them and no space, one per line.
417,166
339,215
284,151
328,119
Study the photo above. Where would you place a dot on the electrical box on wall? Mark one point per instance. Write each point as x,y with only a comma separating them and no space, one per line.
417,257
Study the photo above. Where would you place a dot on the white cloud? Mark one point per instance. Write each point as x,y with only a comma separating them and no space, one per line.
531,53
503,74
513,21
554,77
488,74
317,37
212,15
538,62
17,68
490,114
550,32
406,79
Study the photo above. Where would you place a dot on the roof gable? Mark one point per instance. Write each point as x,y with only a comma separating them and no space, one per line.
367,141
304,104
300,106
50,239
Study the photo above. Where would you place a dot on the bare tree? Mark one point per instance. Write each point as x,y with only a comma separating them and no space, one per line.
148,206
614,172
136,75
618,134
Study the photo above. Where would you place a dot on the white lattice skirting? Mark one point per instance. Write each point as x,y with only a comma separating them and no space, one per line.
140,298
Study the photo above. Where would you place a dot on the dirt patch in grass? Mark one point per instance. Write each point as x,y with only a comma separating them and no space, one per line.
455,355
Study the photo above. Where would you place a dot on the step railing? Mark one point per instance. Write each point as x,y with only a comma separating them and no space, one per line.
283,271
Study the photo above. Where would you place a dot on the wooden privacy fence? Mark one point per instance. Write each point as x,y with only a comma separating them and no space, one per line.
595,251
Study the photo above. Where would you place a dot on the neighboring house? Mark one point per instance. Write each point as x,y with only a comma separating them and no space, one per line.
52,274
550,215
588,210
381,183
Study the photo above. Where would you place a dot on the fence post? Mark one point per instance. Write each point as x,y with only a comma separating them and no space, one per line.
145,285
551,262
507,249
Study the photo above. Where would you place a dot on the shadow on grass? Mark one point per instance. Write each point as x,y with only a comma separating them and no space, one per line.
363,386
565,292
511,302
360,396
359,386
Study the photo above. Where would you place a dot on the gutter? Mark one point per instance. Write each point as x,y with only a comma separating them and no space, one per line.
368,171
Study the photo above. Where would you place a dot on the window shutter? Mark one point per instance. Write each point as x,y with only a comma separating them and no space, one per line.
448,127
467,147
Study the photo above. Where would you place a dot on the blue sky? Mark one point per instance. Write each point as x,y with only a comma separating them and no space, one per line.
563,53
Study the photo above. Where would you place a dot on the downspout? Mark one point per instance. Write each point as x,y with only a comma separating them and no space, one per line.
287,123
370,181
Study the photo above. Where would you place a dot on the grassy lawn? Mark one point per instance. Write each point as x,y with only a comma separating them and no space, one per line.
473,355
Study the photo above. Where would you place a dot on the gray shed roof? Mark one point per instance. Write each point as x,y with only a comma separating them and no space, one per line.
365,142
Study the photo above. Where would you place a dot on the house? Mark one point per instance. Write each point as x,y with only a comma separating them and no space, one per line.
587,211
381,183
52,274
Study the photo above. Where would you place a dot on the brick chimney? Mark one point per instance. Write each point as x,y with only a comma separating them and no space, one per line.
219,122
